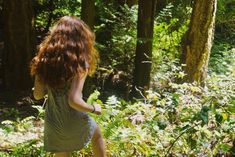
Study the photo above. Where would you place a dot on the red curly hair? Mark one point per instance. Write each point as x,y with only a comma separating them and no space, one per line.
65,53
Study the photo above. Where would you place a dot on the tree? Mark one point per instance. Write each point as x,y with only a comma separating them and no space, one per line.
143,56
121,2
127,2
198,40
19,43
88,12
88,16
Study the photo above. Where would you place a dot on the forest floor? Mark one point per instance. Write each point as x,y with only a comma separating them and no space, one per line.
17,105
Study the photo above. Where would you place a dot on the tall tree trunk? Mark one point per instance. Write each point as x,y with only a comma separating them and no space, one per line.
128,2
88,16
198,40
51,6
88,12
19,43
141,76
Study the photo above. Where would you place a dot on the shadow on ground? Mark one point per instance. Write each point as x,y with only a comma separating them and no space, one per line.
16,105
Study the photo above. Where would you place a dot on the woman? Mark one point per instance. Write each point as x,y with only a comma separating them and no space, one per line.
65,58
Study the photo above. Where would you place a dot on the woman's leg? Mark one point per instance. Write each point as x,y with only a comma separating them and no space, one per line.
63,154
98,144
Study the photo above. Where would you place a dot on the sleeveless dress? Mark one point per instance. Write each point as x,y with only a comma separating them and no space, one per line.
65,128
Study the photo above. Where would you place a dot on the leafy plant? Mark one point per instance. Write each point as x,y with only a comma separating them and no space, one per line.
177,119
225,21
222,58
116,33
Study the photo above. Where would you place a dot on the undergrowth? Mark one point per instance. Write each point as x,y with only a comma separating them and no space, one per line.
175,120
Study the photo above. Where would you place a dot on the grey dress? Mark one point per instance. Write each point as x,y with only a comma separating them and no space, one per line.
65,128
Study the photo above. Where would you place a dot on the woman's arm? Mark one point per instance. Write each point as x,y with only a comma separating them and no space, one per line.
75,96
39,89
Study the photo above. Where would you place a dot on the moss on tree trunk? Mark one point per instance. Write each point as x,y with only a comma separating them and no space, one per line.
198,40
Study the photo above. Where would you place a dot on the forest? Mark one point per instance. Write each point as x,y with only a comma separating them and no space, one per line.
165,77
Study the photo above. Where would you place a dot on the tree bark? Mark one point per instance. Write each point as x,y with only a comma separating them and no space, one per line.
141,76
51,7
121,2
19,42
88,16
198,41
127,2
88,12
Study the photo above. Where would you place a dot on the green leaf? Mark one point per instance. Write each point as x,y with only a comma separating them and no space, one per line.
191,142
225,147
7,122
231,108
162,125
94,96
175,98
204,114
185,127
218,118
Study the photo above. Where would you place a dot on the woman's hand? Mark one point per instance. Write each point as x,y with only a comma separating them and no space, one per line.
97,109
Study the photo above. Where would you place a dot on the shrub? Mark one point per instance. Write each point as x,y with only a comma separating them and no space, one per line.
174,120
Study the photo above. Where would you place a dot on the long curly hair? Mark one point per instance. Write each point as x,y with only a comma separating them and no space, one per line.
65,53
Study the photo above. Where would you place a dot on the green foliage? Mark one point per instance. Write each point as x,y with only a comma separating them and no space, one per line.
3,154
12,113
223,54
176,119
222,59
116,33
172,119
29,148
180,10
225,25
47,12
179,119
169,30
94,96
166,44
22,137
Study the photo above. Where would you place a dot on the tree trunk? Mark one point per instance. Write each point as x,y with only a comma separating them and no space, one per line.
19,43
88,12
141,76
88,16
198,41
127,2
51,7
